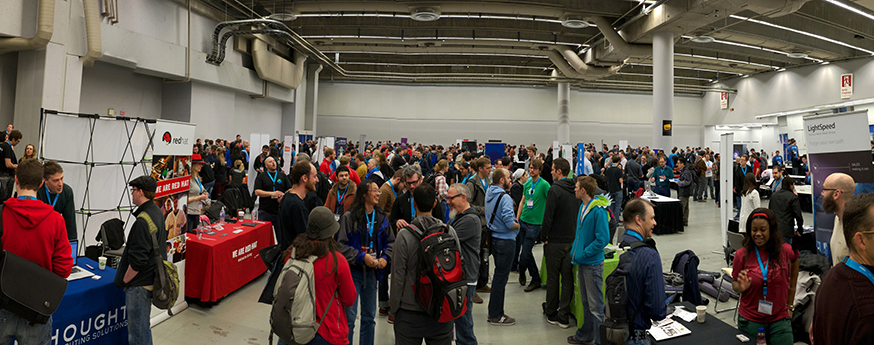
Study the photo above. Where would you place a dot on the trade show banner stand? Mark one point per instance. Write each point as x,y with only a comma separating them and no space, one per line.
581,154
495,151
288,149
836,143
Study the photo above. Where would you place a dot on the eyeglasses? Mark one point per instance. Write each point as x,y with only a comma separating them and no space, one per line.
828,189
454,196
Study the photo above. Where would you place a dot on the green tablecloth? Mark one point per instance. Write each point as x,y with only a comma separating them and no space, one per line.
576,301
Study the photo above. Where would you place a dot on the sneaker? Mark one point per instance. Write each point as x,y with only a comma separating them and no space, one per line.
533,286
553,320
384,311
523,278
391,319
477,299
502,321
571,340
484,289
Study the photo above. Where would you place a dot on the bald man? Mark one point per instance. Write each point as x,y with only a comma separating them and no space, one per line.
837,189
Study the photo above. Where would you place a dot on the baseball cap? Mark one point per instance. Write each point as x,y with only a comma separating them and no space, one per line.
144,183
321,224
518,173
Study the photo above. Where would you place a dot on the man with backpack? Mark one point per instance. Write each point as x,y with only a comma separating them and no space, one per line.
501,220
414,323
645,283
478,183
137,268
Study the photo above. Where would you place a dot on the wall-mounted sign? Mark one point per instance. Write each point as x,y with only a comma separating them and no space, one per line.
723,100
846,85
666,128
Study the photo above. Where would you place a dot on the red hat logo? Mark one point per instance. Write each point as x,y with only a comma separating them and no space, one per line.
166,137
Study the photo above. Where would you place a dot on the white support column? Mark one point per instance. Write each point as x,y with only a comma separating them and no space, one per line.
564,125
662,88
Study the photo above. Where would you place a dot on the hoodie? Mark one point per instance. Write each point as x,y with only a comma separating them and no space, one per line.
505,217
593,232
560,215
34,231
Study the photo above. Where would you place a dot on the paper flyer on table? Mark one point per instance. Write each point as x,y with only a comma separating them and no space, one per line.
667,329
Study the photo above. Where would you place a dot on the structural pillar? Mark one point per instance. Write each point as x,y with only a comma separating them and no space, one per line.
564,123
662,90
311,106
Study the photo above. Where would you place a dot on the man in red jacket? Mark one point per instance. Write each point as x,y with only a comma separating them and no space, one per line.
32,230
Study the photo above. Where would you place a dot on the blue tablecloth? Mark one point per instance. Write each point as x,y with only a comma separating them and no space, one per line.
92,311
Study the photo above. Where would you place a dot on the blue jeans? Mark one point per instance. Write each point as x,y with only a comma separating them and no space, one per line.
616,205
591,280
526,258
662,190
737,204
14,327
503,253
365,285
464,324
139,306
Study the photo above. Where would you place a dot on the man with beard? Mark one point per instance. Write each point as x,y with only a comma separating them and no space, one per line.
270,187
837,189
293,213
501,220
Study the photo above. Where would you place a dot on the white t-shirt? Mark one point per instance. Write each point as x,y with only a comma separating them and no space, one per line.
838,243
709,172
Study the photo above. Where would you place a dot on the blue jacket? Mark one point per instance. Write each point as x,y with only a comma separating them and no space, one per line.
353,235
593,233
505,219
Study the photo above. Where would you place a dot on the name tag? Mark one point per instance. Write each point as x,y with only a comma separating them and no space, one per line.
529,204
766,307
336,217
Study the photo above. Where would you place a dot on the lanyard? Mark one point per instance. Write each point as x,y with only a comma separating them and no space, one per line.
412,209
371,221
744,169
199,185
779,183
482,181
634,234
25,197
764,273
341,197
392,186
859,268
582,209
533,186
466,178
371,172
49,197
273,178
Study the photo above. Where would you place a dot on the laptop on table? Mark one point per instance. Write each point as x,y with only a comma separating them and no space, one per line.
77,272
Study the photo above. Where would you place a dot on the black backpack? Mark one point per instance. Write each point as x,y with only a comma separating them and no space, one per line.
233,200
323,187
615,328
432,179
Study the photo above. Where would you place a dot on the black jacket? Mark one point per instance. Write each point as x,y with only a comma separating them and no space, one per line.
560,215
138,251
516,191
786,206
402,209
685,183
739,179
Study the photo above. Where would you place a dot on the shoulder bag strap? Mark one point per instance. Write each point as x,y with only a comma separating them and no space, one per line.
159,262
495,211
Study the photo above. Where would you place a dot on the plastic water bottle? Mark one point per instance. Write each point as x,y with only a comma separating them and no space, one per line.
199,232
222,215
760,339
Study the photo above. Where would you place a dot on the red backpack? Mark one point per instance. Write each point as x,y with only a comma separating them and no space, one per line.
440,287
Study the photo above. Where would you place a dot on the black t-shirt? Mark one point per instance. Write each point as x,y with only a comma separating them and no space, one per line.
613,175
7,152
270,182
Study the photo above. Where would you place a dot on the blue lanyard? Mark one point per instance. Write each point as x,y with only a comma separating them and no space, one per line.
273,178
482,181
25,197
340,198
533,186
764,273
199,185
634,234
580,223
392,186
744,169
371,222
49,197
779,183
412,209
466,178
371,172
859,268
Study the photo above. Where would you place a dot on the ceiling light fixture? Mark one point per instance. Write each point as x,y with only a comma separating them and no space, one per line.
797,55
736,44
851,8
282,16
425,14
825,62
703,39
781,69
805,33
574,22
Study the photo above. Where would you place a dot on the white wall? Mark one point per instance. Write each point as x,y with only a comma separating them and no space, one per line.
221,113
441,114
107,86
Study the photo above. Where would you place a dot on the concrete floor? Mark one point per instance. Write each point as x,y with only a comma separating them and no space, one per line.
239,319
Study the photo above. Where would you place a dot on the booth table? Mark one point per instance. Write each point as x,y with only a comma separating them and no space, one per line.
92,311
668,214
222,263
577,302
712,331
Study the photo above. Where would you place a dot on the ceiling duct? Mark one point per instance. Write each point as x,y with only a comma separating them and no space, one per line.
618,50
274,68
574,22
424,14
44,29
775,8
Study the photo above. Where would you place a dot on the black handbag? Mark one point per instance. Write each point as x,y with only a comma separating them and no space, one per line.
26,288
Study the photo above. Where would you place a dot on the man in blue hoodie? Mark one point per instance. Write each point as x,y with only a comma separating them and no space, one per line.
501,220
593,233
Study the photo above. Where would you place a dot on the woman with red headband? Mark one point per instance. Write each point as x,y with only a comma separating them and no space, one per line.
764,273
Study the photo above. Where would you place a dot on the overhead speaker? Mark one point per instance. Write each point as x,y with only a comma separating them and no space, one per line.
425,14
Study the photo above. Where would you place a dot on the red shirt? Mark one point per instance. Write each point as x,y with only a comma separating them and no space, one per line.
353,176
325,167
334,328
778,284
34,231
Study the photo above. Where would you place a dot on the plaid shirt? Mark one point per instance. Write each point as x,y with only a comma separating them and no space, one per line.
442,187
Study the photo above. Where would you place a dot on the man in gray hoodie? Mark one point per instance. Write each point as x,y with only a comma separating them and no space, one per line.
412,322
469,229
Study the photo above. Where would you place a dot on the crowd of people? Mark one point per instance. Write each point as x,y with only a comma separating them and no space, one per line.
363,215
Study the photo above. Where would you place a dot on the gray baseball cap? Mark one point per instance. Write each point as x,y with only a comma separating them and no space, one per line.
321,224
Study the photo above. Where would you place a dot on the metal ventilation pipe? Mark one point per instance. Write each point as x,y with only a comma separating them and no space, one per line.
276,69
619,43
571,65
92,28
44,28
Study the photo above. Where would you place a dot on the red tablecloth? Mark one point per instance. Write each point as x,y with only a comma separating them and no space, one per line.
218,265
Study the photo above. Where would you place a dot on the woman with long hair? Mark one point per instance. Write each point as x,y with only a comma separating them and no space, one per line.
221,172
197,195
366,241
749,198
764,273
29,152
332,277
237,173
